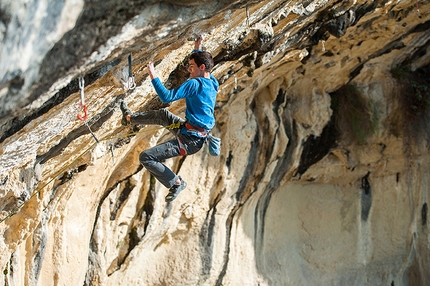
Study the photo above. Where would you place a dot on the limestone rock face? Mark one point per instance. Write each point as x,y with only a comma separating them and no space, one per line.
323,177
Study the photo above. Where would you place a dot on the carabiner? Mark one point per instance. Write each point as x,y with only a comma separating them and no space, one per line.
82,104
84,109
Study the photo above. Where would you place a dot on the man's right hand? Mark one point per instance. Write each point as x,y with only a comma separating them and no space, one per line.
198,43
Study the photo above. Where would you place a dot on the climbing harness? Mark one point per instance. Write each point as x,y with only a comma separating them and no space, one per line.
197,131
182,148
213,142
84,107
64,169
130,84
200,132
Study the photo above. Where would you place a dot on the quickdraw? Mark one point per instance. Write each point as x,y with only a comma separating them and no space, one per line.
247,17
130,84
82,104
418,9
83,118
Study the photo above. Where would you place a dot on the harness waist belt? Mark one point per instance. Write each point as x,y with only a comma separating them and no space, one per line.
189,126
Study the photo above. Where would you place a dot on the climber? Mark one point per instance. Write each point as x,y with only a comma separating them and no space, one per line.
200,96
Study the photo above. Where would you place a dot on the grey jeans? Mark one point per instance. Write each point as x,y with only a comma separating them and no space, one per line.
152,158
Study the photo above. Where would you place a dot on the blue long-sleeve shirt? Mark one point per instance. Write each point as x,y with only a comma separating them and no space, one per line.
200,97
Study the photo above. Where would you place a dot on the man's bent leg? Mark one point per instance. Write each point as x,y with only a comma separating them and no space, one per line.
151,160
161,117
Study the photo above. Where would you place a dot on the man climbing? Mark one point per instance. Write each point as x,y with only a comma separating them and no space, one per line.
200,96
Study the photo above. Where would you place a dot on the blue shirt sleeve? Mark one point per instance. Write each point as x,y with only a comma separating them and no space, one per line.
167,96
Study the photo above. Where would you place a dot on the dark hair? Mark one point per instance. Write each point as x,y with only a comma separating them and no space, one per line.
203,58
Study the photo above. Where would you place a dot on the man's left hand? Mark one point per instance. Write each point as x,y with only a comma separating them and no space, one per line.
151,70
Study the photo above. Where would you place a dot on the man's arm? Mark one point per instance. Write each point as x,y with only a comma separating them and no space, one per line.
166,95
198,44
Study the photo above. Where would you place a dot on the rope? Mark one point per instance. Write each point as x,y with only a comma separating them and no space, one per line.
92,133
64,169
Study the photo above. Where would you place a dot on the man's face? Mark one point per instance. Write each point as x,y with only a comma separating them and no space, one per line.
194,70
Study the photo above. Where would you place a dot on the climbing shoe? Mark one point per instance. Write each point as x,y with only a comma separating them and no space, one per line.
175,190
125,111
